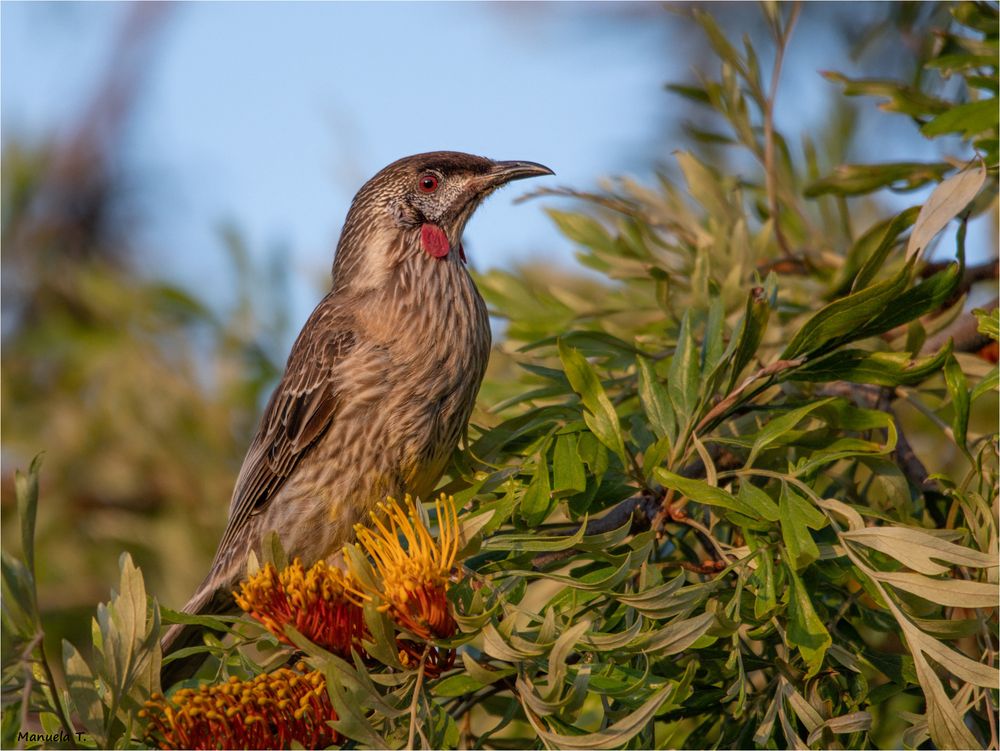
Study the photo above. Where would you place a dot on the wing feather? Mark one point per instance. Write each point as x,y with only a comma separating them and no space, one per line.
301,409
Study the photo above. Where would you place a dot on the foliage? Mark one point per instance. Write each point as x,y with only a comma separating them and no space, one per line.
142,393
701,515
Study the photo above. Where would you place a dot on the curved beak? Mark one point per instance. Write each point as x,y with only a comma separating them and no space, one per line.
504,172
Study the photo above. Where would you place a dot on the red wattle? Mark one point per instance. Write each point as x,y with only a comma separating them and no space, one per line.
434,241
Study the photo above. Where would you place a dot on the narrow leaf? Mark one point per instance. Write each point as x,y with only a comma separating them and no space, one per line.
805,629
682,384
655,401
958,390
702,492
945,203
957,593
600,417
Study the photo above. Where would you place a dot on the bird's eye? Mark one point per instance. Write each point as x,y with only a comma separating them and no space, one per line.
427,183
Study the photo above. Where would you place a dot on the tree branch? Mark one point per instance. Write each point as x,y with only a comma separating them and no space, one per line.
642,508
963,331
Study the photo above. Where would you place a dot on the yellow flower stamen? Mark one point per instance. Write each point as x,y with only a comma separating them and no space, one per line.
323,604
415,577
221,716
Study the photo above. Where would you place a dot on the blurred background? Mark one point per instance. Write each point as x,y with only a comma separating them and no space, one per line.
175,176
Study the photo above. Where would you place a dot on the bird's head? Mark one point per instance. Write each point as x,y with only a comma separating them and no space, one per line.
418,205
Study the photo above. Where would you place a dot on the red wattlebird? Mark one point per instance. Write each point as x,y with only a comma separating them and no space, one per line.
380,382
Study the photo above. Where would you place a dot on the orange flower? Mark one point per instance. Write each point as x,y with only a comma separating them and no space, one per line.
321,604
415,578
274,710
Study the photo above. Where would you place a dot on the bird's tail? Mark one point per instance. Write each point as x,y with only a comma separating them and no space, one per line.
208,600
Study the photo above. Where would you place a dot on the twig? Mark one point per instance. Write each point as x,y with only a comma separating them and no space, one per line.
766,372
416,697
642,508
881,397
964,333
608,202
707,534
28,682
976,273
972,275
467,705
770,177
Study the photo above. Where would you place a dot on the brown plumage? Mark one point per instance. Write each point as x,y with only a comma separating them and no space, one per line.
380,382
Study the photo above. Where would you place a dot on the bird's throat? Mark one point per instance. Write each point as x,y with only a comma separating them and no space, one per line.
434,241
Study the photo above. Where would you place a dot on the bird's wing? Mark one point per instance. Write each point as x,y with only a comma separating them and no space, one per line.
300,410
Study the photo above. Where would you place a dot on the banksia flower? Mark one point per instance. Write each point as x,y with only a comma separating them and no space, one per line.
415,578
321,604
274,710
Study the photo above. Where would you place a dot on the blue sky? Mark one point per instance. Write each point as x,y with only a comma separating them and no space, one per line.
271,115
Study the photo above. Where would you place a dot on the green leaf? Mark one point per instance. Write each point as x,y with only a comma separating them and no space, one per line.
26,492
600,417
797,515
779,426
382,644
613,736
859,179
273,551
582,229
759,500
495,645
752,328
683,381
567,467
215,622
838,322
695,94
713,345
701,492
764,576
875,258
83,691
969,119
655,402
609,578
989,322
958,390
19,609
351,711
989,382
901,98
717,38
483,675
878,368
456,685
469,540
537,501
929,295
557,658
806,631
675,637
535,542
